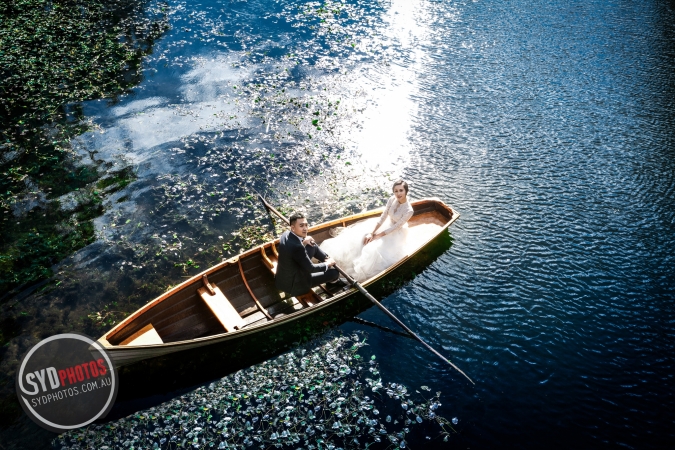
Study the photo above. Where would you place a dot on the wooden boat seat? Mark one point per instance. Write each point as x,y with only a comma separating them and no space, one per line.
221,307
145,336
309,299
272,265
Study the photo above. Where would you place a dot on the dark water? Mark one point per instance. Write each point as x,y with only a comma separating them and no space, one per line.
548,124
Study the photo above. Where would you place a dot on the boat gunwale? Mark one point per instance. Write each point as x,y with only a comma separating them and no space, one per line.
454,215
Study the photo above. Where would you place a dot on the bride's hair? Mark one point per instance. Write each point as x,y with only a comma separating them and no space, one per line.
400,181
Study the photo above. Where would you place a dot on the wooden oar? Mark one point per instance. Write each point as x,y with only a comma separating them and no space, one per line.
363,291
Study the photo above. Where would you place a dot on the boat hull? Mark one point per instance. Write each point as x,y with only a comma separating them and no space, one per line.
160,369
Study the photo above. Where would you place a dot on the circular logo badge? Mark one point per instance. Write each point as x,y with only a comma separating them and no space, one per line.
66,381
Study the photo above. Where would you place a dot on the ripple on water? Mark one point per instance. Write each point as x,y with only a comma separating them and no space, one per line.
547,124
567,217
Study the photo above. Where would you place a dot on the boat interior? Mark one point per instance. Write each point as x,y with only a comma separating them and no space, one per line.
239,292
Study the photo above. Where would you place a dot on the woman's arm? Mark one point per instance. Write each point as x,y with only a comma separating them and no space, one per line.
383,217
395,226
384,214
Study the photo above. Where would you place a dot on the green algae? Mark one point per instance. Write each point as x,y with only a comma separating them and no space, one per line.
31,253
54,54
117,179
143,268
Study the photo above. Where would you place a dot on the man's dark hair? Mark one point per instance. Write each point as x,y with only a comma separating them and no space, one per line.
400,181
295,216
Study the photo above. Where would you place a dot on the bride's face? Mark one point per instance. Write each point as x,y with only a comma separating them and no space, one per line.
399,192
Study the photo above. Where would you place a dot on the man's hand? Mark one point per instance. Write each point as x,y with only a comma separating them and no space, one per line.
330,262
309,240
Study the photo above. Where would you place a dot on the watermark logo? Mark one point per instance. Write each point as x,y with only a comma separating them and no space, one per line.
66,381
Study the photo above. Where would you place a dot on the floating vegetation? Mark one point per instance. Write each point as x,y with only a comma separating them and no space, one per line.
324,395
48,192
55,54
108,316
265,96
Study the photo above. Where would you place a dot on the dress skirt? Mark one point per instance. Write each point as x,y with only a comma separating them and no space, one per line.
365,261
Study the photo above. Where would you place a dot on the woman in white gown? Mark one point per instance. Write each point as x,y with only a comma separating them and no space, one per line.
362,251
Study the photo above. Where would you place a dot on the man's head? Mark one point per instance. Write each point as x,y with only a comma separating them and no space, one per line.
299,224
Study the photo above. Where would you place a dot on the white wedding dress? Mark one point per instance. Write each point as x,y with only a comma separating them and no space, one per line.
364,261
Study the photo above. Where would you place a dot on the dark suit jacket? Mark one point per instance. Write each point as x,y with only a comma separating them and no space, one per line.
295,268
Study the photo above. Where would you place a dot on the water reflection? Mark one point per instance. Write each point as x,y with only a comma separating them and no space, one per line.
139,130
382,140
236,99
547,124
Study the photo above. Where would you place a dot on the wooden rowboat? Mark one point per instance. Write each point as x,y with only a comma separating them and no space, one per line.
236,300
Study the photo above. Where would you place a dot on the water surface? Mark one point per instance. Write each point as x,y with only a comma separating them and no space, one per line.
547,124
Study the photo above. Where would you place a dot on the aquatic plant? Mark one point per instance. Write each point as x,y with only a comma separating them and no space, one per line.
323,395
157,231
54,54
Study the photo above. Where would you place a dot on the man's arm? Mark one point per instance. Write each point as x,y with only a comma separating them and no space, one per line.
300,257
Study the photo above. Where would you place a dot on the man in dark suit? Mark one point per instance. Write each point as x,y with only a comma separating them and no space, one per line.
296,274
